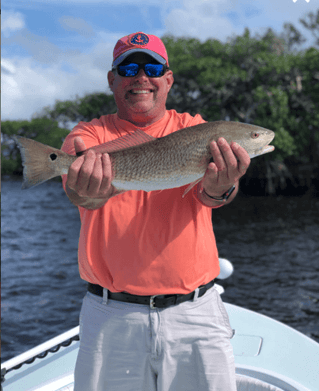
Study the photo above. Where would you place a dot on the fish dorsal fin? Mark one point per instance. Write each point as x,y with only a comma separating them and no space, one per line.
130,140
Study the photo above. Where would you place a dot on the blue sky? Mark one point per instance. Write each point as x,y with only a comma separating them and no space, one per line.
59,49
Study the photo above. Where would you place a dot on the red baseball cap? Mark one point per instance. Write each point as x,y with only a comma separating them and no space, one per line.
139,42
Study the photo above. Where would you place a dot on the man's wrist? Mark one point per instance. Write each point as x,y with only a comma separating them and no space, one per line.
214,198
206,201
88,202
222,197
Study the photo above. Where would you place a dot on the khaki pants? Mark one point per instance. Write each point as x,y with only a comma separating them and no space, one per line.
131,347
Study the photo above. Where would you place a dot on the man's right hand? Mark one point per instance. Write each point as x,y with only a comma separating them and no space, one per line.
89,178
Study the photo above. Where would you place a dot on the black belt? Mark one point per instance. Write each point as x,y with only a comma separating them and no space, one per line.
156,301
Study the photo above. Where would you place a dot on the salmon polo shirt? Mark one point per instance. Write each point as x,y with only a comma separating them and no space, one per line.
145,243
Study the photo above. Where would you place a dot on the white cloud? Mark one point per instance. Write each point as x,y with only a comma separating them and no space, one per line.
201,19
11,22
221,19
31,83
7,67
27,86
39,47
78,25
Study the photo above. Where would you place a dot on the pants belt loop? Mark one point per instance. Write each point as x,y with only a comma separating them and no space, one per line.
105,296
196,294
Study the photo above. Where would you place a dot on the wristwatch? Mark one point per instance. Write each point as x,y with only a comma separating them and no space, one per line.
224,197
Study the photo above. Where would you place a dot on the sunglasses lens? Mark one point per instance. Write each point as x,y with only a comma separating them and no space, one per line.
132,69
128,70
154,70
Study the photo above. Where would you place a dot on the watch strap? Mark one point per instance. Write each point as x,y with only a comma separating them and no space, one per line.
224,197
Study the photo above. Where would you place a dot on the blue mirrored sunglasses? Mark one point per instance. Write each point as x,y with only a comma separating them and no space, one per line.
132,69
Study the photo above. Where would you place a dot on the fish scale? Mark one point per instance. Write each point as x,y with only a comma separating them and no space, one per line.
142,162
156,167
174,160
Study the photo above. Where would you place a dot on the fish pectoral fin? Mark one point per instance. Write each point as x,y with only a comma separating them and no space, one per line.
191,185
130,140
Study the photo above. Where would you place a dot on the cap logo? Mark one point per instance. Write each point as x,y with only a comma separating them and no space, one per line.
139,39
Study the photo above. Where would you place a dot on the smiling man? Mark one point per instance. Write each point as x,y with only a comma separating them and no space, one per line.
140,103
151,319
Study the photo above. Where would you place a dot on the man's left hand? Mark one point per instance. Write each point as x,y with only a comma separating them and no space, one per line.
230,164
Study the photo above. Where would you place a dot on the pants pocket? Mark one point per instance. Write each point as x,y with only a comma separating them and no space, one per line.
224,315
81,318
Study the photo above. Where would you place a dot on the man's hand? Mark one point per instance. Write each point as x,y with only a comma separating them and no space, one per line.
230,164
89,178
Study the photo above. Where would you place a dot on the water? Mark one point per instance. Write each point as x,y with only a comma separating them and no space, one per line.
273,244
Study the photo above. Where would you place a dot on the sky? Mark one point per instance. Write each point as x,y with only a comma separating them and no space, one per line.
60,49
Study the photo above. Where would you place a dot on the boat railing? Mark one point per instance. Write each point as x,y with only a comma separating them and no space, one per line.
40,351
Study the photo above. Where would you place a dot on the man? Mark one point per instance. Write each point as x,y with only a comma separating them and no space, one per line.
134,245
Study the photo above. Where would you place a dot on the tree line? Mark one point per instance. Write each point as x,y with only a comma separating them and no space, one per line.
266,80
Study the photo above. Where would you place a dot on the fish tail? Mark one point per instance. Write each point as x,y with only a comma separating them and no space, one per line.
40,162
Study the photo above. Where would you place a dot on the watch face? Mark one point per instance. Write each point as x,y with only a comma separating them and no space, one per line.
228,193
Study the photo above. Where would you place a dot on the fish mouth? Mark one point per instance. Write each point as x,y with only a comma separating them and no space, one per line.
262,151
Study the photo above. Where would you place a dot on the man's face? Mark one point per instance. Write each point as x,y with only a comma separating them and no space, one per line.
140,99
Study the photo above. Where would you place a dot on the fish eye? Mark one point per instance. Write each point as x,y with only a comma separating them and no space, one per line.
254,134
53,156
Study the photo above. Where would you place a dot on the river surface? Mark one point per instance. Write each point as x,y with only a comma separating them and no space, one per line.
272,242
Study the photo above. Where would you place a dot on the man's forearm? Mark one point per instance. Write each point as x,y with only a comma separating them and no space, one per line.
86,202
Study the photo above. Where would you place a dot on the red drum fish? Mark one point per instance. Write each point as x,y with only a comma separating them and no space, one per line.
142,162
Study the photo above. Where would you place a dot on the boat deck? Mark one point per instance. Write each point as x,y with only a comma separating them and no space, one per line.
268,353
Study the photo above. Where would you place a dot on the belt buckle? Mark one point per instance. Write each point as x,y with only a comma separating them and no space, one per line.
152,302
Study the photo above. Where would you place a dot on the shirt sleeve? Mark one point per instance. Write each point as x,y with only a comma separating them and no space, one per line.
196,120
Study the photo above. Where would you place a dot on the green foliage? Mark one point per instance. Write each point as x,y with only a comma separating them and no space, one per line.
82,109
9,166
255,80
271,112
